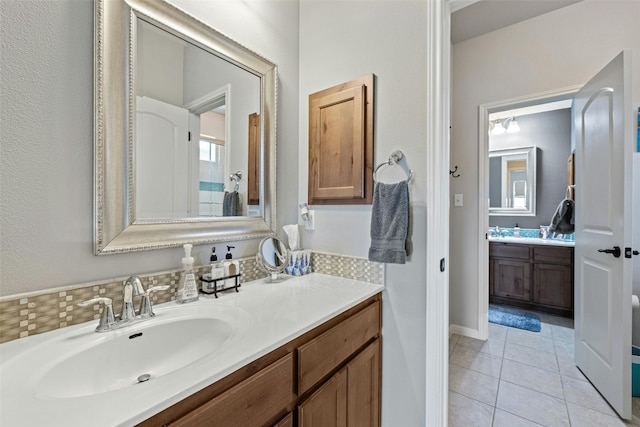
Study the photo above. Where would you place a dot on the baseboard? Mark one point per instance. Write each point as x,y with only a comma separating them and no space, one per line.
464,331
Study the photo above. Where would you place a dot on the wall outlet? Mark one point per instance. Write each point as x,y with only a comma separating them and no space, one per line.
457,200
310,224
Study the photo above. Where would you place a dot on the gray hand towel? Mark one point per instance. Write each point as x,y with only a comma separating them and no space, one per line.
389,223
563,220
231,204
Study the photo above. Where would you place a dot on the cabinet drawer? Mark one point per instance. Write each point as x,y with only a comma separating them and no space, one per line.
320,356
557,255
263,396
504,250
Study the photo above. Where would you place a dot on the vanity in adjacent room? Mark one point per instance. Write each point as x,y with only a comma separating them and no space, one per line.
532,273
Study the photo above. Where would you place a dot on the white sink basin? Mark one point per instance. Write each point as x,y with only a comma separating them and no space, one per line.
87,363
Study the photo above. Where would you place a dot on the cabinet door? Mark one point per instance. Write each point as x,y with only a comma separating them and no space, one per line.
552,285
512,279
285,422
363,388
328,405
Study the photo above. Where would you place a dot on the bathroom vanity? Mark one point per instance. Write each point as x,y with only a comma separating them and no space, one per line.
301,352
532,273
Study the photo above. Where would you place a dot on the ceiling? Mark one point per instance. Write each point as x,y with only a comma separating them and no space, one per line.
483,16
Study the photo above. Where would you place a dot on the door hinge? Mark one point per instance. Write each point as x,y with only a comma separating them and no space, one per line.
189,136
442,265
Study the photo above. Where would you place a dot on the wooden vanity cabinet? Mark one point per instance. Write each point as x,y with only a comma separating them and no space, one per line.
330,376
532,276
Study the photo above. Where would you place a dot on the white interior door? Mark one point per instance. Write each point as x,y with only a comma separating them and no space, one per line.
162,160
604,146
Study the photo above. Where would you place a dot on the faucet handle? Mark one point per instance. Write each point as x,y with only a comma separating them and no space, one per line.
146,309
107,320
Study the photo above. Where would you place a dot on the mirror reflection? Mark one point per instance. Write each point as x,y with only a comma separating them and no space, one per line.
272,257
512,178
197,145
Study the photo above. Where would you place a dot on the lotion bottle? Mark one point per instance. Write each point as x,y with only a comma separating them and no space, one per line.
231,268
516,231
187,287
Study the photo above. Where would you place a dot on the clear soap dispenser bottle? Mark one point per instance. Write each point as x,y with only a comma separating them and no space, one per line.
187,287
231,268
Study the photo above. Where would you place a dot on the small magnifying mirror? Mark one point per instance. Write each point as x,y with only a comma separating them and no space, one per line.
272,258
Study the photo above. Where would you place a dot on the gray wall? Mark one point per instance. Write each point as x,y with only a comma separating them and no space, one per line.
550,132
339,41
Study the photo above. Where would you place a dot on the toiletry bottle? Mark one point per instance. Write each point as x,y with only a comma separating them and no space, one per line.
231,268
217,270
516,231
187,287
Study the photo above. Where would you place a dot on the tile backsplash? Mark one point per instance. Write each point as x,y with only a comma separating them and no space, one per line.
38,312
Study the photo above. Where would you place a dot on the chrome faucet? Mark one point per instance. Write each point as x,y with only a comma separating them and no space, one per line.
132,287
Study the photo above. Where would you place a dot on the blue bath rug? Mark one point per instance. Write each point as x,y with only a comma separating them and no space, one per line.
514,318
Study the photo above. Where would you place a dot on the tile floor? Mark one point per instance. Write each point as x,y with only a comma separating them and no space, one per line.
519,379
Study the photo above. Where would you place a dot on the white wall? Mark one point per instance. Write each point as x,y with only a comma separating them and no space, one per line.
46,137
339,41
556,50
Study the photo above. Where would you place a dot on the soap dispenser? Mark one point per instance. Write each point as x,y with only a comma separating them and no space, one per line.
187,287
217,273
231,268
516,231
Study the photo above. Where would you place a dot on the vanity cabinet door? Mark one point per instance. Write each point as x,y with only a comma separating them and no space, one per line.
552,285
285,422
328,405
511,279
363,388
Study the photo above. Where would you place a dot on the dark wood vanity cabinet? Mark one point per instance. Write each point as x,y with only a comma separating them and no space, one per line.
330,376
532,276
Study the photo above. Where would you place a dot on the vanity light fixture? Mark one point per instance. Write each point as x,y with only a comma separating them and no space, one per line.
512,126
509,125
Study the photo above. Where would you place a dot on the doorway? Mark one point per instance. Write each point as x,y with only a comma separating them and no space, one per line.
526,106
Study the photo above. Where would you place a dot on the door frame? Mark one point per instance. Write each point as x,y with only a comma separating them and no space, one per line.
484,110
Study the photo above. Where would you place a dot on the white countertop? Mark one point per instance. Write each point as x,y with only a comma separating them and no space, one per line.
277,313
532,241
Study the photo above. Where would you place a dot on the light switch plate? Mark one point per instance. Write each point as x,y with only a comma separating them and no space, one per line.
457,200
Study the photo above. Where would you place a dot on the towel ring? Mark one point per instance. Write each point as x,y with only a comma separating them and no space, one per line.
236,177
394,158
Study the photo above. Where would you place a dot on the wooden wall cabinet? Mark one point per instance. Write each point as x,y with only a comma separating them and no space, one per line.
532,276
329,376
341,143
253,168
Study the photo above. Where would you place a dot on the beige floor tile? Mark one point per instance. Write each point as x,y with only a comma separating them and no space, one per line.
532,405
481,362
564,348
531,356
567,367
585,417
531,339
490,346
562,333
584,394
475,385
505,419
466,412
498,332
531,377
453,341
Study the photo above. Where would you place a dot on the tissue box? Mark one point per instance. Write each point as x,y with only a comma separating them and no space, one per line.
299,263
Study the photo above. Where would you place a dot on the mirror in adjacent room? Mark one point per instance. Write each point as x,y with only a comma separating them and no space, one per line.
512,181
272,257
184,132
